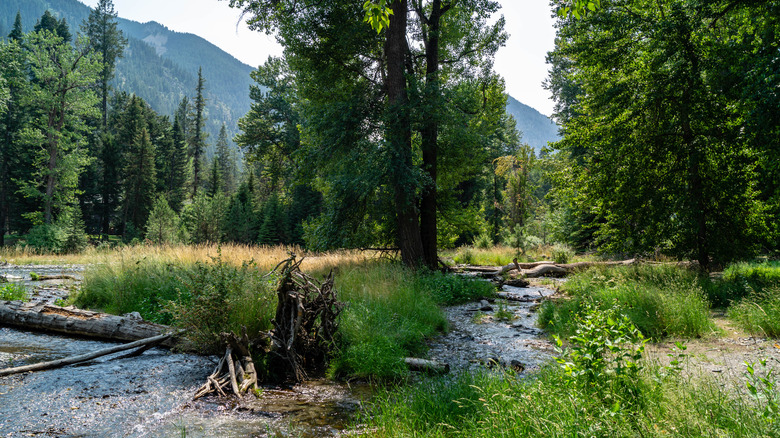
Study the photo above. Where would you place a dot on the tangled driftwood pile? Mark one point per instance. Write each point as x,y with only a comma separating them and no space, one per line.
303,335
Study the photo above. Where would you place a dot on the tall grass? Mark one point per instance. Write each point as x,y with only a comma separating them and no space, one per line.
759,313
265,257
391,311
602,387
660,301
493,405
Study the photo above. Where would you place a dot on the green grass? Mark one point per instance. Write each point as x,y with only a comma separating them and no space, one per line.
493,405
759,313
740,280
661,301
391,311
13,292
601,387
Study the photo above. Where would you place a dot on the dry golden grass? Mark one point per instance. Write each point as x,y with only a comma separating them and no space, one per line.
266,257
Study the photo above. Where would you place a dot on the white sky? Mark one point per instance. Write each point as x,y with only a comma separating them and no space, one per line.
521,62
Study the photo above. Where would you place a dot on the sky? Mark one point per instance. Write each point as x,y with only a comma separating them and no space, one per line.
521,62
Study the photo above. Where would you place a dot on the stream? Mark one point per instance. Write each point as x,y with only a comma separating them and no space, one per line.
150,395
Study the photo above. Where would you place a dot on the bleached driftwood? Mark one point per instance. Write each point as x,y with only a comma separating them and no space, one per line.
84,357
425,365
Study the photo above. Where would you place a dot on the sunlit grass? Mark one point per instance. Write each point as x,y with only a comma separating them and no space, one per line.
266,257
500,255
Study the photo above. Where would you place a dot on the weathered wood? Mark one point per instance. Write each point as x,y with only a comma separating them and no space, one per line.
54,277
520,299
72,321
428,366
83,357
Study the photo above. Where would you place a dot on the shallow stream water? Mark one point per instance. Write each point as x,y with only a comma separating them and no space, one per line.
151,395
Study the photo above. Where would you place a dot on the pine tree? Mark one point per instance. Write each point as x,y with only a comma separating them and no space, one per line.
174,177
198,140
215,179
140,180
163,224
109,42
16,33
227,162
272,229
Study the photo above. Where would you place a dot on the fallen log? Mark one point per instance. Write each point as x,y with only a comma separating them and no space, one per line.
519,299
53,277
84,357
73,321
428,366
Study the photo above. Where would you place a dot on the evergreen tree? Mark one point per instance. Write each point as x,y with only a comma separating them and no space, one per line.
226,160
215,179
140,180
72,224
108,41
198,139
163,226
274,222
47,22
16,33
240,223
175,177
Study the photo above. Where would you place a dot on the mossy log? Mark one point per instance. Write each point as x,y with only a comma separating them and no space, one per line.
73,321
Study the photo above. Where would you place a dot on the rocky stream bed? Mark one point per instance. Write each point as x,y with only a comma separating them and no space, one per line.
151,395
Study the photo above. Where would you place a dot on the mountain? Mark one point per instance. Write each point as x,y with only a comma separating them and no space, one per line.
160,65
537,129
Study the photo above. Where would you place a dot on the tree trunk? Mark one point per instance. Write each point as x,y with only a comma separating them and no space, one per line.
72,321
430,136
399,136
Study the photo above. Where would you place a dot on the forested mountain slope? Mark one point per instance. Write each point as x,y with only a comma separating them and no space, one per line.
160,65
537,128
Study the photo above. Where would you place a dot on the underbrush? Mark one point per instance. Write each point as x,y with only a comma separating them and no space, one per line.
660,301
502,255
601,387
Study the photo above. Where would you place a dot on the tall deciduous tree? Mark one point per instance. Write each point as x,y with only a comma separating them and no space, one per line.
109,43
661,158
60,99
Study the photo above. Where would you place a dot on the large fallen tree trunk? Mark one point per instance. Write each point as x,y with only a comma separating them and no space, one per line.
143,343
72,321
538,269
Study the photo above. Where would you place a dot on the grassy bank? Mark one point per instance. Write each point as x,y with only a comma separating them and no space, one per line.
601,386
390,311
661,301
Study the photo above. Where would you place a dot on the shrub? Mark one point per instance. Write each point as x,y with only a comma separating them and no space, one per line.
13,292
483,241
453,289
561,253
48,238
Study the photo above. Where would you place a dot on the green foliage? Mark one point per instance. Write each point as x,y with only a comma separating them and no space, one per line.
72,225
220,298
204,218
659,301
562,253
603,357
49,238
762,383
13,292
390,312
448,289
545,404
164,225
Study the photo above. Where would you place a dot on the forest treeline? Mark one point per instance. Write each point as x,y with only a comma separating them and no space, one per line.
394,133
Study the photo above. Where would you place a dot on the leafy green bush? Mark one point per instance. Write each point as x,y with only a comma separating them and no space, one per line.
13,292
483,241
743,279
604,356
219,298
561,253
465,256
48,238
